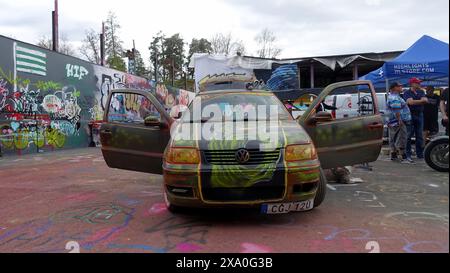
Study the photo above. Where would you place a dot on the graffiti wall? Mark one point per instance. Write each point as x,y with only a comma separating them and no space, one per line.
49,100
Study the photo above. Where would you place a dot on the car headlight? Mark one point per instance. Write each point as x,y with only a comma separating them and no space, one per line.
183,156
300,152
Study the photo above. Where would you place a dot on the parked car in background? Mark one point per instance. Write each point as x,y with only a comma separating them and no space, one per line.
382,106
351,105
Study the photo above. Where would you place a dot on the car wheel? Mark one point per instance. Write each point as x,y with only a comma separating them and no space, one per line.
321,190
170,207
436,154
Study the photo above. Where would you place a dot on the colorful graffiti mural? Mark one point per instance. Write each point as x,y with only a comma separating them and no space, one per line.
38,115
52,101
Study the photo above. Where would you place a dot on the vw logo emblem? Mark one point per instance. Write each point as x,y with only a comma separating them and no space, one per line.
242,156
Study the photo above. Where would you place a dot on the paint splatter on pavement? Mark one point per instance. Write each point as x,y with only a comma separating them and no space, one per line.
50,199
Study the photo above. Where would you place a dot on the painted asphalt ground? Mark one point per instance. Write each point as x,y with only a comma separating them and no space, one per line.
48,200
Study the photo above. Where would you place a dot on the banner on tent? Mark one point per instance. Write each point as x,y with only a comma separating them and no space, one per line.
418,68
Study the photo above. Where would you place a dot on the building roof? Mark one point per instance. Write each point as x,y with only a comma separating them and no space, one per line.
331,61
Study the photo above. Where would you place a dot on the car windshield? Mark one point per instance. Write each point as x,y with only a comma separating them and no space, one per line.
236,107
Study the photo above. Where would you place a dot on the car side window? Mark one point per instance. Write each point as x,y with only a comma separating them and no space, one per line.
131,108
299,106
348,102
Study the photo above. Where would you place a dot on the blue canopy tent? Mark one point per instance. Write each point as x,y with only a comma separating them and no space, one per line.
426,59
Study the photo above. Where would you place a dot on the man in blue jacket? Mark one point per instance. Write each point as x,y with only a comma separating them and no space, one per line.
416,98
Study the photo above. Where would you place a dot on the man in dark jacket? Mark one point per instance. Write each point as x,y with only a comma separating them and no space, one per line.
431,114
416,99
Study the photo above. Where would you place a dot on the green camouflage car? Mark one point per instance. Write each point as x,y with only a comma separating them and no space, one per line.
241,148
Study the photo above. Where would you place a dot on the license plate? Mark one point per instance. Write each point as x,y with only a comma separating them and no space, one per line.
283,208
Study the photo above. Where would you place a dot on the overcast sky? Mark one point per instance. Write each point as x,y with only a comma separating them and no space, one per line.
303,27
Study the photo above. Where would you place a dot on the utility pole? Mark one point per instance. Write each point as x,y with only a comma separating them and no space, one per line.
131,54
55,28
102,45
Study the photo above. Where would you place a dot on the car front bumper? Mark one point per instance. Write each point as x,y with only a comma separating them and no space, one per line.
184,188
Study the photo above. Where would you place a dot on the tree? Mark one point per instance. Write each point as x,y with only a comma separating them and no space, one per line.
90,49
139,64
225,44
167,57
113,45
199,46
238,48
116,62
173,55
156,56
45,42
221,43
64,45
266,40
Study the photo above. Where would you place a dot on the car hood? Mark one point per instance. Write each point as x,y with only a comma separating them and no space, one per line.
246,135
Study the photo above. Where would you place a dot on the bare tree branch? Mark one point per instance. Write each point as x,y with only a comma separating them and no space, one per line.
90,49
225,44
266,40
64,45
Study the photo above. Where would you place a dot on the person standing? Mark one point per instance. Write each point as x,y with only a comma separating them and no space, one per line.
444,109
431,114
416,99
399,121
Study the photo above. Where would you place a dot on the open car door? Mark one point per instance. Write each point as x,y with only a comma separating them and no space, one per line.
345,136
135,131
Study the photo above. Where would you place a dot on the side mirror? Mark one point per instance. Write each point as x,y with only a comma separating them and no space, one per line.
152,121
320,117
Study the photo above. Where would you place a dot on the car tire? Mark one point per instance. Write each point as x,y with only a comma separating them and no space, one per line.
170,207
429,149
321,190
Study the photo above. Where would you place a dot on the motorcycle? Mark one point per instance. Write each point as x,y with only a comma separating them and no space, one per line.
436,153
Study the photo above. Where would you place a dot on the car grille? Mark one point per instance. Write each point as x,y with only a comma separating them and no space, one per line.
228,157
